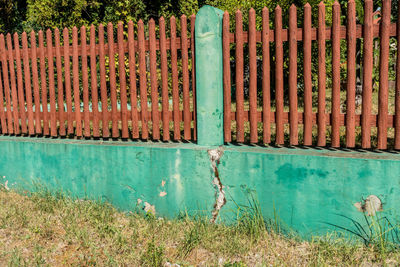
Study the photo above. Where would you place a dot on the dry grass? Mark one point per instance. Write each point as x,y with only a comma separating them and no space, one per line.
54,230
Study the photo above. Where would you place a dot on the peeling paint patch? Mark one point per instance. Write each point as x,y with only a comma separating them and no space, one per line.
138,201
163,194
370,205
149,208
176,177
220,200
163,183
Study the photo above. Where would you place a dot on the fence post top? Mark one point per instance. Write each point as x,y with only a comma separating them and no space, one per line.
206,20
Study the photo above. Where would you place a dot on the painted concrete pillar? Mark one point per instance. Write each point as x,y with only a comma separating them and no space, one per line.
209,76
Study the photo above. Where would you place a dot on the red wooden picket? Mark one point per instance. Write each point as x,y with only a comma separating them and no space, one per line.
164,81
61,112
293,112
132,80
367,74
35,79
397,92
10,129
192,24
153,80
75,75
383,75
43,83
103,86
67,77
308,123
20,85
14,96
279,76
187,118
2,111
227,77
351,74
113,82
175,89
239,78
122,81
321,76
253,76
52,90
93,82
266,77
28,88
335,75
143,80
85,84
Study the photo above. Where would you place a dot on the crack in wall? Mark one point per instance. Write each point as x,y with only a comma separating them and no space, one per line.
220,200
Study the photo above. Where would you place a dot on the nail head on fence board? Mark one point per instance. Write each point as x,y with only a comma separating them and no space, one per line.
209,76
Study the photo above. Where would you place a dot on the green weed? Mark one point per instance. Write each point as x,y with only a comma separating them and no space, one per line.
154,255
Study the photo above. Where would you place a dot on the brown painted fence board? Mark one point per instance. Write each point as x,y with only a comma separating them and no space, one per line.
279,76
76,83
52,90
132,81
192,24
227,78
60,89
20,86
28,87
314,33
239,78
103,85
321,76
335,75
85,84
164,81
175,89
307,76
43,85
153,81
328,119
113,82
10,129
185,79
328,35
2,111
397,92
294,137
143,80
122,82
14,96
35,79
93,82
67,77
367,74
253,76
351,74
383,75
266,77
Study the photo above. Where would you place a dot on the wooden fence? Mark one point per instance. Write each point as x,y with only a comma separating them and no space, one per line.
41,96
271,113
142,86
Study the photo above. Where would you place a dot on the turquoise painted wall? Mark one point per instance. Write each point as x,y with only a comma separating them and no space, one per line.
307,187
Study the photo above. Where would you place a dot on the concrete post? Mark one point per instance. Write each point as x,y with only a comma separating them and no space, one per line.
209,76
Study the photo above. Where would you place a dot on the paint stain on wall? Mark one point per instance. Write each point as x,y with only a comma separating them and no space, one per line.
370,205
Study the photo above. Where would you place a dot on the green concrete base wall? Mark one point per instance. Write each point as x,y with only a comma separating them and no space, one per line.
306,188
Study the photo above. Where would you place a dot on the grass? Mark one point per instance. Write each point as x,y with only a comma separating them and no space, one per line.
43,229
